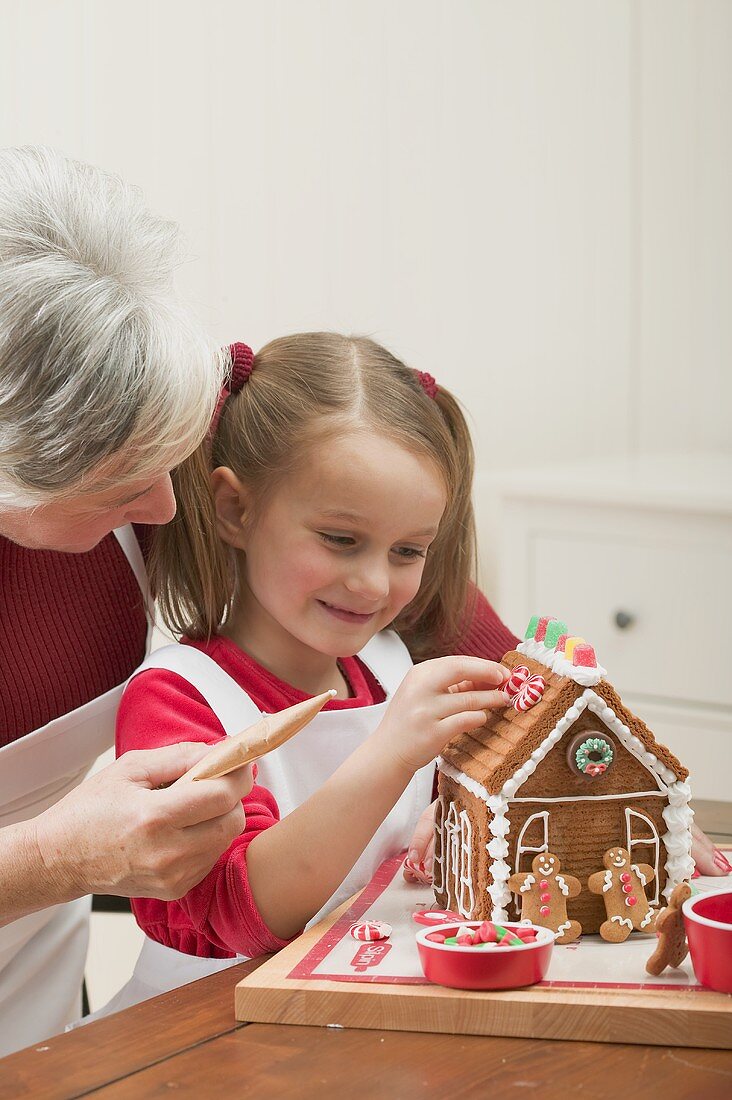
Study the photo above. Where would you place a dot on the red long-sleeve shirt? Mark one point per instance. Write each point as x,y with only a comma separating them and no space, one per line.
218,918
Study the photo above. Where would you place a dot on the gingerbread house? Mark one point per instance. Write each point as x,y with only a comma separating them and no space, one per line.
568,769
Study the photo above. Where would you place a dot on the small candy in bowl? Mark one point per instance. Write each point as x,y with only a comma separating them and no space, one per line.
708,920
483,955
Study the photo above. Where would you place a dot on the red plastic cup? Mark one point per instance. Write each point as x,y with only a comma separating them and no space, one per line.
708,921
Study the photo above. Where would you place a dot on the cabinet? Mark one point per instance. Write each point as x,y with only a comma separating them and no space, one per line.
637,558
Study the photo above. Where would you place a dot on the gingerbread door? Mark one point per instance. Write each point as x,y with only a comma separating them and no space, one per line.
643,844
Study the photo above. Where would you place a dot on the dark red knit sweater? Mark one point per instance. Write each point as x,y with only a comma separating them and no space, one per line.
72,626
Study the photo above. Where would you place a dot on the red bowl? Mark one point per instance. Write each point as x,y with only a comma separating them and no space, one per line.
708,921
484,967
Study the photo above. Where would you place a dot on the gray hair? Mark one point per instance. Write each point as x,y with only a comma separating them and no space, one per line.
104,375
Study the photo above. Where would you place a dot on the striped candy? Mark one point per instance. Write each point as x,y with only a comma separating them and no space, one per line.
530,693
516,680
371,930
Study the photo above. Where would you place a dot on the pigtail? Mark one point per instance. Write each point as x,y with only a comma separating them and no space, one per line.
435,620
192,569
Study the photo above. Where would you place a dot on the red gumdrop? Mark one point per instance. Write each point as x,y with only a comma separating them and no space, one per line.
543,884
525,933
541,628
625,877
488,932
627,887
544,910
584,656
631,901
561,643
505,942
546,897
465,941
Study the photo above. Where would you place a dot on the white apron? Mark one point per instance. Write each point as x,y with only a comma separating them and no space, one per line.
292,773
42,956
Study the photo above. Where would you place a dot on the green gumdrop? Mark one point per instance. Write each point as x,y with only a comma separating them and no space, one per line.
554,630
531,628
452,940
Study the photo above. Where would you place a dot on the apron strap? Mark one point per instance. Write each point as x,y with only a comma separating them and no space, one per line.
127,539
229,702
388,659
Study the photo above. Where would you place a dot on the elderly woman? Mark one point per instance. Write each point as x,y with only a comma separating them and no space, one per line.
105,384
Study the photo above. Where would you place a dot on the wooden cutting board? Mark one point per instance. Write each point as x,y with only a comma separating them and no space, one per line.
659,1017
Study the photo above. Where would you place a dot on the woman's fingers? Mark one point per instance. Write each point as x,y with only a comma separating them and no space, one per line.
188,804
708,858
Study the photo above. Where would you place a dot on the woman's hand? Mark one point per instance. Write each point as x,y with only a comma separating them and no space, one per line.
437,701
120,833
709,859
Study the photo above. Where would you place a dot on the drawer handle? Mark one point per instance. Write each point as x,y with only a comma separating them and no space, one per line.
623,620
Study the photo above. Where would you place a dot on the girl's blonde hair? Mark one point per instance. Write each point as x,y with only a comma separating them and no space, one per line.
303,390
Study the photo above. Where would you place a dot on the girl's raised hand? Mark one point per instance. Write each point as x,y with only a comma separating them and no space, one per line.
439,700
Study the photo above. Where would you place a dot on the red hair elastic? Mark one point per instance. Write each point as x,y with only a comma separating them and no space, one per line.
242,365
427,383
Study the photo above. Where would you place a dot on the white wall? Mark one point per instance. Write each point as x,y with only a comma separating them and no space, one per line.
530,200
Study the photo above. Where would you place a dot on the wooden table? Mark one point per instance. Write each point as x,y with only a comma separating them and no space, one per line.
188,1044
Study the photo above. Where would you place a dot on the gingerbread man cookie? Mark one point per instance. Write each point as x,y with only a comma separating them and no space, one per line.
622,886
672,947
544,894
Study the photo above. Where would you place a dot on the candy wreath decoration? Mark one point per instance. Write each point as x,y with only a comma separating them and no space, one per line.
594,756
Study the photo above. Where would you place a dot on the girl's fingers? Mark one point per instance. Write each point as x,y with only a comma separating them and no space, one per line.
449,671
463,701
464,685
464,722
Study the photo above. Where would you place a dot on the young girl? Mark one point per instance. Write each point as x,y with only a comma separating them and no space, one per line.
327,522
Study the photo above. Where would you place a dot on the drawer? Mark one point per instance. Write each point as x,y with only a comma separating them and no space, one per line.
679,643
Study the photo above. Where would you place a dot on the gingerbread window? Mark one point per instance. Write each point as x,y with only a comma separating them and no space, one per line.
466,900
452,855
439,865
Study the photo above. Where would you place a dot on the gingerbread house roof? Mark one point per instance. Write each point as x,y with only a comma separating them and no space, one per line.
492,755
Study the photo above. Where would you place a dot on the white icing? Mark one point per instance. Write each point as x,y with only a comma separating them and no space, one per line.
558,663
562,929
622,920
639,873
528,883
595,797
452,857
466,901
561,883
648,918
498,826
608,883
648,842
678,816
438,873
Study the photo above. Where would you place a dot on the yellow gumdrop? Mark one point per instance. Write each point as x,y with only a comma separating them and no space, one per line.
569,647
